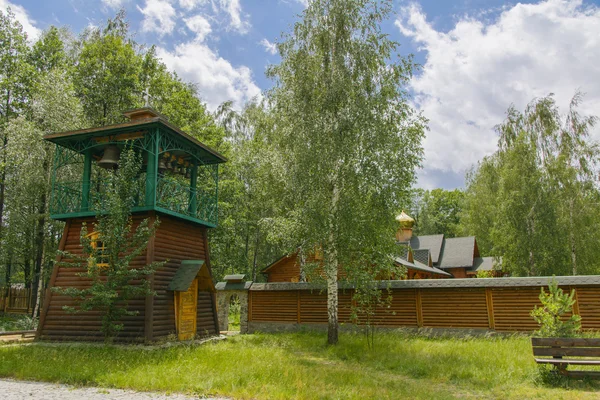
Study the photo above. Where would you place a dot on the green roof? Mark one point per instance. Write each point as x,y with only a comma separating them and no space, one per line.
184,276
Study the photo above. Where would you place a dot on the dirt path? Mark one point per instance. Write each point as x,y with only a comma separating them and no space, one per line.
19,390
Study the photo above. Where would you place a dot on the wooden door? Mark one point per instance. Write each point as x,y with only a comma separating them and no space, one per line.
186,306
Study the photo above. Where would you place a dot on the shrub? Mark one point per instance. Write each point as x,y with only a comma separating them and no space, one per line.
550,316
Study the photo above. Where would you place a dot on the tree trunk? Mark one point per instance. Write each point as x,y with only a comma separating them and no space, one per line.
302,263
41,245
331,270
256,242
572,237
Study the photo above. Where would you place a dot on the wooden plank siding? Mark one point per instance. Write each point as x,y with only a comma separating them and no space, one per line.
505,309
454,308
588,302
285,270
512,308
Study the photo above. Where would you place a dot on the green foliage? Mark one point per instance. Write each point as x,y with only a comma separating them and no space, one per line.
349,138
535,201
59,83
234,314
17,322
112,285
107,73
437,211
301,366
485,274
551,315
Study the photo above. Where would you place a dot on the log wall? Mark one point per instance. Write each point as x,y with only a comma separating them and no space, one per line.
175,240
501,306
58,324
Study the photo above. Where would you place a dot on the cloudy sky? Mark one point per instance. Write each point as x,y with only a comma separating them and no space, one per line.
477,56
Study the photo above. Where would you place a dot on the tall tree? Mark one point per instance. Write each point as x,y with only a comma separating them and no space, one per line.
15,78
438,211
350,139
107,72
537,196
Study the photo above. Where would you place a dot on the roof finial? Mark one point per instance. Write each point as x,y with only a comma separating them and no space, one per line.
146,96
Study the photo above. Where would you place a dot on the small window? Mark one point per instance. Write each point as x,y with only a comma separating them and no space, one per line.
101,250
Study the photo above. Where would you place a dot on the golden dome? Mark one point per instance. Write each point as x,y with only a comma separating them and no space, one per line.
405,220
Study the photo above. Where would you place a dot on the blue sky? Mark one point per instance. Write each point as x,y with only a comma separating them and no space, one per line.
478,56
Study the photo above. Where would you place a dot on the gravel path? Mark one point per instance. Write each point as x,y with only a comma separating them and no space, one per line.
18,390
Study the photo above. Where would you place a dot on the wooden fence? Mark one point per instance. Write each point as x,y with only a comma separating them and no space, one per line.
15,300
499,304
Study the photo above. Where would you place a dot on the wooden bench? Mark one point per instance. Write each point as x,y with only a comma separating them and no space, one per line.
587,352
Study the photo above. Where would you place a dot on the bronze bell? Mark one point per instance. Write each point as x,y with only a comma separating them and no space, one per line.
110,157
162,166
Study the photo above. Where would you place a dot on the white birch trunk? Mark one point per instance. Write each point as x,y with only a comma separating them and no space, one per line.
332,270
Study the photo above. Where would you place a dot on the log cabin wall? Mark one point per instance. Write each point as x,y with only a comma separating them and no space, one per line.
499,304
285,270
177,240
56,323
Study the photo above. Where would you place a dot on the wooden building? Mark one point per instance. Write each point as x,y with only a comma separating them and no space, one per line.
424,257
177,184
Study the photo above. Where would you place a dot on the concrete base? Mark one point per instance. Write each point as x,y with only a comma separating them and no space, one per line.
274,327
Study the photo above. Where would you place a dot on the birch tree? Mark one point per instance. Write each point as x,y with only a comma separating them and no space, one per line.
348,136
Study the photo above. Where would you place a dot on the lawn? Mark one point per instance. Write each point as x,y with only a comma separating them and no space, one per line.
283,366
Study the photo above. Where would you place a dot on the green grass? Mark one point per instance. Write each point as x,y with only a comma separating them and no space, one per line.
300,365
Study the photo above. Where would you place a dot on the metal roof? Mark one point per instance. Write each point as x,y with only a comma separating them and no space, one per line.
457,253
431,242
236,277
184,275
537,281
421,267
483,264
213,157
233,286
422,255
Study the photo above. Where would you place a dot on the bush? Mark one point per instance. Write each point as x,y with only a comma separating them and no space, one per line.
550,316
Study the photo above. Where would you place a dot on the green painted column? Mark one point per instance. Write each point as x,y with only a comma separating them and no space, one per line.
193,200
151,172
87,176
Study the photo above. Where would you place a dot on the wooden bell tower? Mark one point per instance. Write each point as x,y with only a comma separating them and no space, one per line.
178,184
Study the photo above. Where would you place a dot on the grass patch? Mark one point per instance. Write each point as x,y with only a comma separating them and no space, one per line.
302,366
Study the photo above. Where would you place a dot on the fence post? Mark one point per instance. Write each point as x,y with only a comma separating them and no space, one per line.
419,309
298,306
576,305
489,301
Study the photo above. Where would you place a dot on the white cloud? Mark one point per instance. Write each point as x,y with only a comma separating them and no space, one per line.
23,17
114,4
216,78
159,16
191,4
473,73
199,25
237,21
269,47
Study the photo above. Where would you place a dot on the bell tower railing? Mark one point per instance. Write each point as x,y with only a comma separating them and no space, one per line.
78,189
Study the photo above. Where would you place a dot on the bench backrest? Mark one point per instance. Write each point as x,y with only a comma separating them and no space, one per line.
575,347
